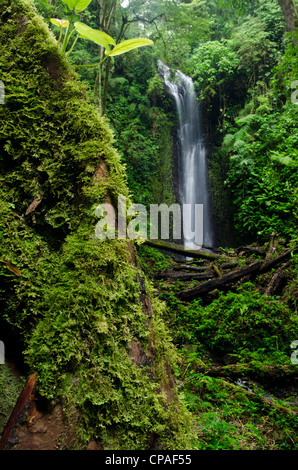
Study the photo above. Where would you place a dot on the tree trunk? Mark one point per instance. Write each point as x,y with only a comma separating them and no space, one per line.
105,86
290,13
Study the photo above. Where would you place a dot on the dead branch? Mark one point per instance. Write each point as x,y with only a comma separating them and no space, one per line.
180,249
182,276
258,267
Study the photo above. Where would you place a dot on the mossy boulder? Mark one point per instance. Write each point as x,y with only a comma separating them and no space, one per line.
75,302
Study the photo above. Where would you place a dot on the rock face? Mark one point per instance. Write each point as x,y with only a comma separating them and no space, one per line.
90,330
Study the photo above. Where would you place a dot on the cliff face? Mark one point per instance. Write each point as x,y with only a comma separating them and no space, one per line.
78,306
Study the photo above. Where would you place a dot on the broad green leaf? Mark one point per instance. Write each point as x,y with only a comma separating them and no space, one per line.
78,5
62,23
98,37
128,45
108,38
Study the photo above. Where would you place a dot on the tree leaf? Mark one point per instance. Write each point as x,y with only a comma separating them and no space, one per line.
99,37
108,38
78,5
128,45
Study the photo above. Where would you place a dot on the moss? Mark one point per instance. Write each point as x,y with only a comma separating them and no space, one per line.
76,304
11,388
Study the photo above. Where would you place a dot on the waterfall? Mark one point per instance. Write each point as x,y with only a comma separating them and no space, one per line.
192,169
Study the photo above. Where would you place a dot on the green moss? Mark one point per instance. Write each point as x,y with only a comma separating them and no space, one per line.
10,388
76,305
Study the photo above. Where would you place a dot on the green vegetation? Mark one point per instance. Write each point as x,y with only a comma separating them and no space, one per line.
237,324
75,136
75,301
235,369
10,388
98,37
230,418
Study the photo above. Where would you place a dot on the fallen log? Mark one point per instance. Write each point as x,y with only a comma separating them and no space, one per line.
234,264
181,250
182,276
190,268
258,267
208,286
277,280
202,263
241,250
275,261
192,262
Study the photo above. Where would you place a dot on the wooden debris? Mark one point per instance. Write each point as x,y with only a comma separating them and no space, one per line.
183,276
23,402
273,243
208,286
12,267
258,267
190,268
180,249
33,206
277,280
216,270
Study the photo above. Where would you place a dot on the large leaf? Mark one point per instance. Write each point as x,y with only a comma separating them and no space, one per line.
128,45
81,5
99,37
78,5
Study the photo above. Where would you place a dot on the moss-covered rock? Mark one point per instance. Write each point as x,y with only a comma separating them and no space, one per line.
75,301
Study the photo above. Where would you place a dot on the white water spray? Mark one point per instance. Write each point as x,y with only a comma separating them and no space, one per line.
193,178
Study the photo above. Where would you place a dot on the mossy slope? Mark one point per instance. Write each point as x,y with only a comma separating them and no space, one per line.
74,301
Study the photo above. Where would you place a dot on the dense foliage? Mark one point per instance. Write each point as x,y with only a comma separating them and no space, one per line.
74,136
72,300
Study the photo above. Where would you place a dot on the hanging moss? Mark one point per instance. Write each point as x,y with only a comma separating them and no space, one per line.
74,301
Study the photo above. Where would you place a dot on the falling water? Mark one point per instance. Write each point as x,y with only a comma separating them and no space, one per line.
193,187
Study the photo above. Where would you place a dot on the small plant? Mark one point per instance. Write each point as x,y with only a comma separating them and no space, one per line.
62,24
98,37
76,6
